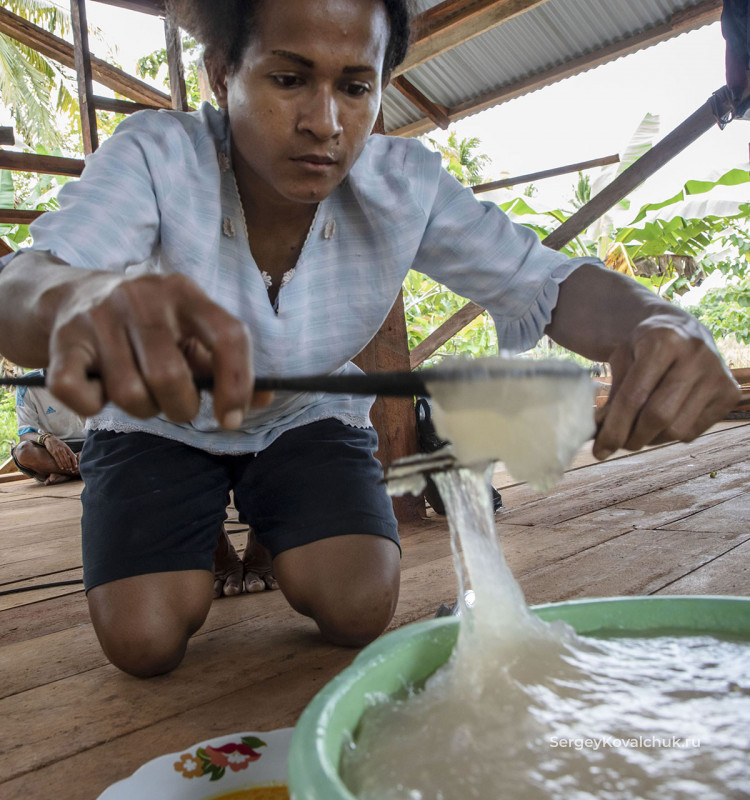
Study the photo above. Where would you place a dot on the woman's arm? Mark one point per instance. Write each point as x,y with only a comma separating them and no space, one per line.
145,336
668,380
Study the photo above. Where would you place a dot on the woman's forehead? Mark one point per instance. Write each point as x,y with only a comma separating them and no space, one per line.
358,24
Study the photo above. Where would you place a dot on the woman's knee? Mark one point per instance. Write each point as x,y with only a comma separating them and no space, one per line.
144,623
143,653
355,621
348,585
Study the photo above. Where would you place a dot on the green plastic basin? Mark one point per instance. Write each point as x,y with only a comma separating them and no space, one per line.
411,654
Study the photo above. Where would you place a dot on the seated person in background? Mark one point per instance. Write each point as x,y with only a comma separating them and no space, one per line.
50,436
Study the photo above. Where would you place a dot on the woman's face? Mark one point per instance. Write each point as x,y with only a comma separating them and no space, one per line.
305,96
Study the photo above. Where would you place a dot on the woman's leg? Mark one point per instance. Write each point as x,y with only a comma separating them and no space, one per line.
152,510
348,584
144,622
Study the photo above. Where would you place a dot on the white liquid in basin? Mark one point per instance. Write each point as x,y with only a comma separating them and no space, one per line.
528,709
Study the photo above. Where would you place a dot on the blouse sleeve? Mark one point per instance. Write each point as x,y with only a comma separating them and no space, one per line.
475,250
110,218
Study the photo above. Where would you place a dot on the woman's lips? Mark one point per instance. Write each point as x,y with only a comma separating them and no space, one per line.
315,163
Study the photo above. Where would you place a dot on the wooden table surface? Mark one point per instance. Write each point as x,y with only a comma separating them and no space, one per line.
674,519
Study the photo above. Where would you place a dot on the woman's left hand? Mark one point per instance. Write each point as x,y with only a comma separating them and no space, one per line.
668,383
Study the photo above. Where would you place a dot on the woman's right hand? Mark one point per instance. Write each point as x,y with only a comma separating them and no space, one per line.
145,338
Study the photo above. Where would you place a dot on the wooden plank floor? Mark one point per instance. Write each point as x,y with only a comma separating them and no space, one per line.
669,520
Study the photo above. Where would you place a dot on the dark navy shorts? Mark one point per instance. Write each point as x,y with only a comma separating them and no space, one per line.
154,505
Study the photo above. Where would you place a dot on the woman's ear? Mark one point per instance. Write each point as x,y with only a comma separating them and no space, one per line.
217,75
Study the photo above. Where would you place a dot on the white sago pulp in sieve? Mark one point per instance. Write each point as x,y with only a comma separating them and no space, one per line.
529,709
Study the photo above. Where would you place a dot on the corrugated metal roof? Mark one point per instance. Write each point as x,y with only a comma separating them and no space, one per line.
530,44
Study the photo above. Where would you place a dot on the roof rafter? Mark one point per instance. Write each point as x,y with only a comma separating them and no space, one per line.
702,14
434,111
453,22
144,6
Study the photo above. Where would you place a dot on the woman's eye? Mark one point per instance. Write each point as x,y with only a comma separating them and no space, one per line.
287,81
356,89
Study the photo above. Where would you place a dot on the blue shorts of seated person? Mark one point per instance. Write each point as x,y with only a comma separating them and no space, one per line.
154,505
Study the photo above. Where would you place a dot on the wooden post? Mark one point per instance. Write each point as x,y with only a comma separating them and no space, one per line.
174,60
83,71
394,418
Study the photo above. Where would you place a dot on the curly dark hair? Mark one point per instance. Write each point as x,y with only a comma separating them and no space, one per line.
226,26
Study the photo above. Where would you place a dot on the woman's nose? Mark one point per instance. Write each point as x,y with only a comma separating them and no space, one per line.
320,115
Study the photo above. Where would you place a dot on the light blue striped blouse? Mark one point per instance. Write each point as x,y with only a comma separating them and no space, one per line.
160,196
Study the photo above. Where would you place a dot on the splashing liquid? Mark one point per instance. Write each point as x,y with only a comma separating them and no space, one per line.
529,709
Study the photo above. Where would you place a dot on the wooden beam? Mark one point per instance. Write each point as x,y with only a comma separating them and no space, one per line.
7,136
49,165
546,173
5,250
702,14
434,111
120,106
174,60
673,143
82,54
454,22
58,49
18,216
455,323
155,7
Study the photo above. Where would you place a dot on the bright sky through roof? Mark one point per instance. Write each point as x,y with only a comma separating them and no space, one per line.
593,114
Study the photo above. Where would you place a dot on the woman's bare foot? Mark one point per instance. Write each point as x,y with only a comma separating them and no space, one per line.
228,569
258,566
252,573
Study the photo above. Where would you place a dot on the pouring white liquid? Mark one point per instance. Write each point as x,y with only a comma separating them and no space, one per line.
528,709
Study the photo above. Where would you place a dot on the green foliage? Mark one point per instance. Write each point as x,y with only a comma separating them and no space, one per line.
460,159
36,89
8,425
726,312
28,191
428,304
151,65
45,14
582,193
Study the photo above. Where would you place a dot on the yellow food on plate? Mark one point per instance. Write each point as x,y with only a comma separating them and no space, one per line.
276,791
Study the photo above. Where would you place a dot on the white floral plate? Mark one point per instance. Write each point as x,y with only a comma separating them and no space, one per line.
207,770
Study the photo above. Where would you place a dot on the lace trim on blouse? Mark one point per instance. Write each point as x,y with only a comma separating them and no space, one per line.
289,274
